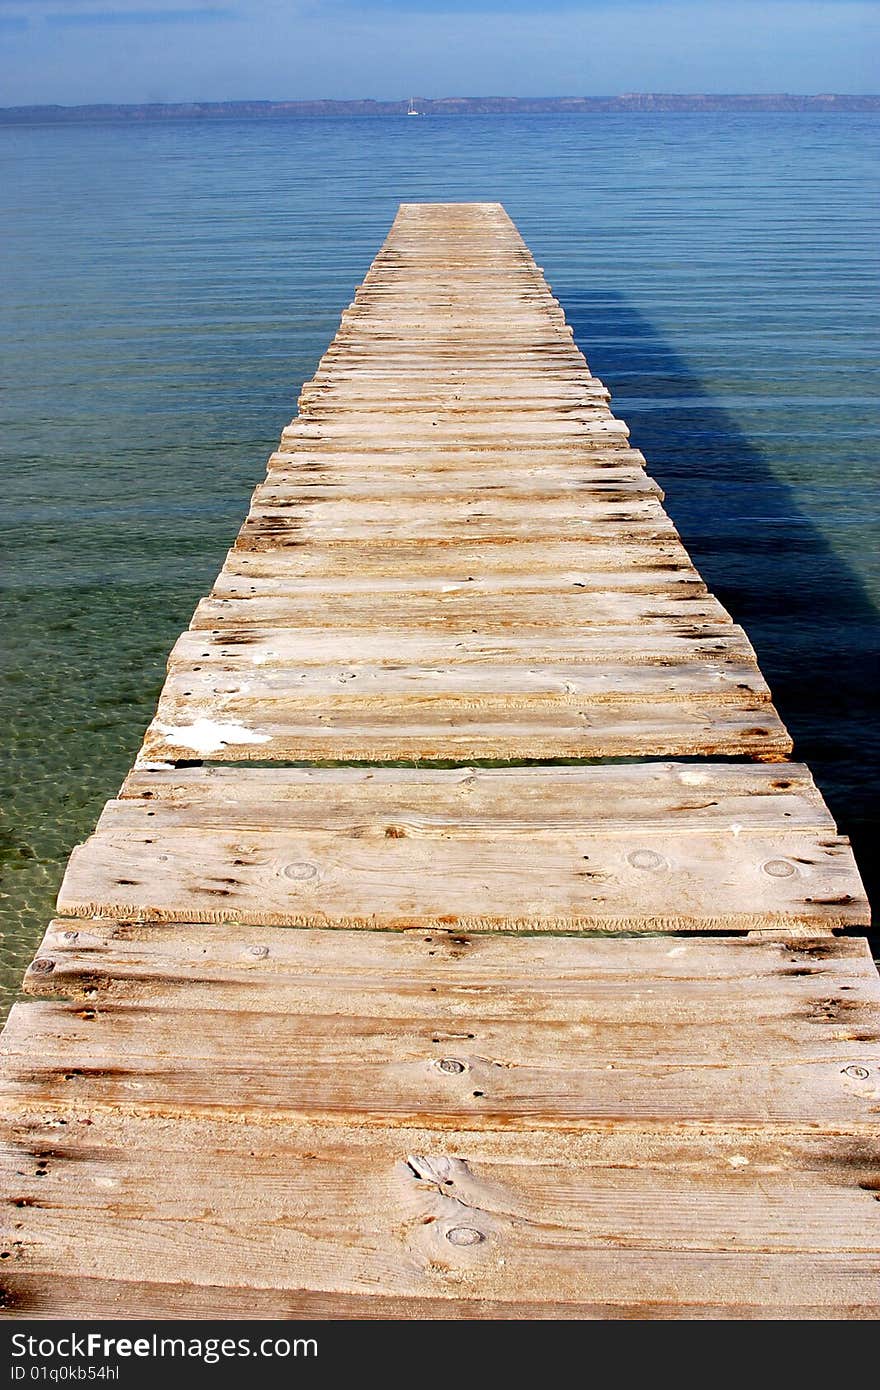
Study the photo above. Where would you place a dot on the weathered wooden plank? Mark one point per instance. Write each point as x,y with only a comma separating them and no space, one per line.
544,484
449,474
571,556
601,882
411,374
334,1219
378,392
340,518
466,418
252,646
419,362
326,523
462,729
513,438
523,317
410,870
458,609
542,801
699,989
422,692
523,1074
660,580
430,463
563,561
338,1222
50,1295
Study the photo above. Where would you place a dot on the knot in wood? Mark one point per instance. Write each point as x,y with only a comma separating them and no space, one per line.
779,868
300,872
465,1235
857,1073
647,859
450,1065
43,965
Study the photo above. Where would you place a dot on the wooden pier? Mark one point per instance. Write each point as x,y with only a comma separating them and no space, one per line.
320,1040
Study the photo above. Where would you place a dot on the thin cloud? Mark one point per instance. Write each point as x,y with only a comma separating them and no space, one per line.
81,18
539,8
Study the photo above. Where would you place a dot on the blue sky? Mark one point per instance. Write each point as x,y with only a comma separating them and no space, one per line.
73,51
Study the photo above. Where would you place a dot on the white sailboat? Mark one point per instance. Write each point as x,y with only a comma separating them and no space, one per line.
412,109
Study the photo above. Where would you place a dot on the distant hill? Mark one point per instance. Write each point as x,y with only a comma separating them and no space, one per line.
436,106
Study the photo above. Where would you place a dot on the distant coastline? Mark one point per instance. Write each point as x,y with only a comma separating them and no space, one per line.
440,106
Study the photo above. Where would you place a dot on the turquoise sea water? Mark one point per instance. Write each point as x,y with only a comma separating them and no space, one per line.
168,287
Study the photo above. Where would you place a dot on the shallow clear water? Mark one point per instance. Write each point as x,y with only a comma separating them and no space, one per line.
169,287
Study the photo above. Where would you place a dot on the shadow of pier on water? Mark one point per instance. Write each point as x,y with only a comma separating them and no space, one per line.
804,606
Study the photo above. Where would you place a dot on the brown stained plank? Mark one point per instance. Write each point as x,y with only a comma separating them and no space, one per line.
389,559
700,989
53,1294
253,647
655,876
381,393
495,686
458,609
539,801
338,1222
335,522
466,729
576,440
658,580
786,1068
432,463
458,485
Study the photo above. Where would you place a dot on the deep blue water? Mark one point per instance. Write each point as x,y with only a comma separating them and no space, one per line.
169,286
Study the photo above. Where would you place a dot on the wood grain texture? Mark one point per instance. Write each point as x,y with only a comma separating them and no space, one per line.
432,1224
455,1033
772,1295
667,848
459,732
599,882
458,609
538,801
290,480
628,983
656,1128
359,561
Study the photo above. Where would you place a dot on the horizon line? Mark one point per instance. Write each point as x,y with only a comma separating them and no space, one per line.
624,98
